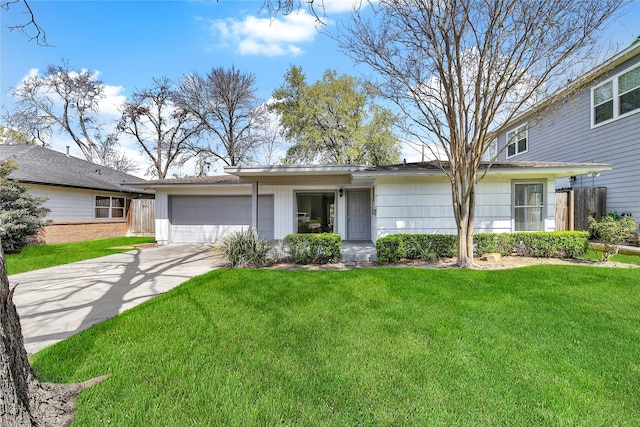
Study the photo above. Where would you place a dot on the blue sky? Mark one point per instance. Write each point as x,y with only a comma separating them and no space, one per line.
131,42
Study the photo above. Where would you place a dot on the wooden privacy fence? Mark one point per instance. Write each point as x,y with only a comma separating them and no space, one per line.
141,218
575,205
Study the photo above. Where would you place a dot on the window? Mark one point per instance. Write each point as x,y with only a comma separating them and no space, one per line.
109,207
315,212
528,206
517,141
616,97
492,152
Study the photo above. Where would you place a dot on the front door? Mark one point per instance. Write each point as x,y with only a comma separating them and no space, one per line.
358,215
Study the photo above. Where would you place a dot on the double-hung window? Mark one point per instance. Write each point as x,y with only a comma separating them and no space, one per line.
109,207
528,206
517,141
492,152
616,97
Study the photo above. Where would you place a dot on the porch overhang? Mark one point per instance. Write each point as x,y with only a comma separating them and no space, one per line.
300,174
504,169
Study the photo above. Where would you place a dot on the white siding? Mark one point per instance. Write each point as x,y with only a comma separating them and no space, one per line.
426,207
68,204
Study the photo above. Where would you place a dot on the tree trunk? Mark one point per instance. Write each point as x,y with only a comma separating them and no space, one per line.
24,401
15,370
464,206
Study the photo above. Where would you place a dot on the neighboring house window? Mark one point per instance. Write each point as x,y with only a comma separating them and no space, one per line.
528,206
616,97
517,141
109,207
492,151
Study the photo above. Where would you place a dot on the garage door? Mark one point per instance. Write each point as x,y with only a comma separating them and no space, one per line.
203,219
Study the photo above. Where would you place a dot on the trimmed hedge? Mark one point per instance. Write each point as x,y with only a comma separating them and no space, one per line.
554,244
390,249
416,246
561,244
314,248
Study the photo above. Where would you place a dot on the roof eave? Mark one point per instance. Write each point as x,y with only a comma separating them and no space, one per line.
291,170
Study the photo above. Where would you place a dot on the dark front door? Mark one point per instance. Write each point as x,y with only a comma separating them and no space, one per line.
358,215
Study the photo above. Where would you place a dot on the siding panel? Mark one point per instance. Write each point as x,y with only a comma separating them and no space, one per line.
564,134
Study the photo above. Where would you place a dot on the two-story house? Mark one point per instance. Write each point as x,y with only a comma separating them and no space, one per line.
594,119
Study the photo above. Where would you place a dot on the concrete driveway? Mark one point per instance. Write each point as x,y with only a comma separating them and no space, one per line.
55,303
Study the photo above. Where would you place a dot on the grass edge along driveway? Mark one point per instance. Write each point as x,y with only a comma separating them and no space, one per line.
540,345
37,257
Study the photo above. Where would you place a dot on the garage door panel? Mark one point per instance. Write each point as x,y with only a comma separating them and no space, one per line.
198,219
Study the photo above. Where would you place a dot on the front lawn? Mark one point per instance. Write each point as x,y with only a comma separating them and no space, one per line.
36,257
541,345
595,255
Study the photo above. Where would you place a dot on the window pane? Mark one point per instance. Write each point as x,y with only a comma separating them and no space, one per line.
528,194
603,93
528,219
604,112
628,81
102,212
522,145
117,213
103,201
630,101
117,202
315,212
511,150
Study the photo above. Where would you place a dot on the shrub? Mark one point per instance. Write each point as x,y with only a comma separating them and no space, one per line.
563,244
315,248
389,249
21,214
418,245
245,249
612,231
428,247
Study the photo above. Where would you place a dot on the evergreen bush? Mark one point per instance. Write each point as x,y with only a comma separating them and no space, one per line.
314,248
21,214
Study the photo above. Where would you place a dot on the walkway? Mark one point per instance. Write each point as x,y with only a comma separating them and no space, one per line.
356,251
55,303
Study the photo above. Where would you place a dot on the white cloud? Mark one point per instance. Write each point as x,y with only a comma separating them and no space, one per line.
265,36
340,6
109,107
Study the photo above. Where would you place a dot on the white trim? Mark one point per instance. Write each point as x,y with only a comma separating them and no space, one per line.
517,130
110,208
616,98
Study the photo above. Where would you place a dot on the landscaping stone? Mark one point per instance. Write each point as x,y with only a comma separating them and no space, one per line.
492,258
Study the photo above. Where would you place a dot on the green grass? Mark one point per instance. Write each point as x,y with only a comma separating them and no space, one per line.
36,257
541,345
595,255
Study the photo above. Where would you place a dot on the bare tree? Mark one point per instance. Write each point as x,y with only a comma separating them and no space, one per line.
162,127
459,68
28,26
67,101
227,107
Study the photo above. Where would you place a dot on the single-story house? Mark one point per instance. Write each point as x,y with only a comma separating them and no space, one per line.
356,201
86,200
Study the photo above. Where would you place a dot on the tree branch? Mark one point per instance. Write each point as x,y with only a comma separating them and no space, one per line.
30,27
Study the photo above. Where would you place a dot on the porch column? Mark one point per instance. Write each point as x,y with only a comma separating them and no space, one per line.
254,206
